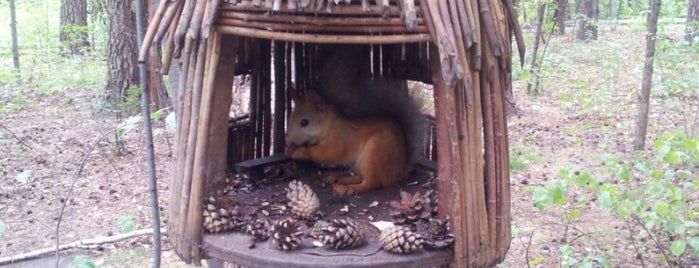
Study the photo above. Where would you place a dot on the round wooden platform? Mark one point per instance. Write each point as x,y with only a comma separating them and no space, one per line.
233,246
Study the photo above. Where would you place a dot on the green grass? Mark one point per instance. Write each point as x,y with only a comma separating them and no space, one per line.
523,156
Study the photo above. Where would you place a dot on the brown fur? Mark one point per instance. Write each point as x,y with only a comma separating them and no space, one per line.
374,147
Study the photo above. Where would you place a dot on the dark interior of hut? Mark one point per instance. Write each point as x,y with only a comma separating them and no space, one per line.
267,78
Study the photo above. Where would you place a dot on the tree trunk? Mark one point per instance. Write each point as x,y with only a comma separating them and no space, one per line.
644,98
122,50
13,26
560,16
692,28
533,84
587,25
73,31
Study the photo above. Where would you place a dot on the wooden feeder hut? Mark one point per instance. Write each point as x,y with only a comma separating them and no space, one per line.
461,47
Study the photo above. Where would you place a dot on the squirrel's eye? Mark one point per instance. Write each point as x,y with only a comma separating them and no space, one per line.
304,122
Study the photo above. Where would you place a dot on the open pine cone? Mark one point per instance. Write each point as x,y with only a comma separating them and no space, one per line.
437,234
287,234
258,228
401,240
410,208
303,202
339,233
220,214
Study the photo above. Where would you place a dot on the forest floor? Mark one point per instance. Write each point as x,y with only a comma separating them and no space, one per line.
57,149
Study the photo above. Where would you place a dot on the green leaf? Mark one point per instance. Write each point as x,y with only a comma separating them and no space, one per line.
157,114
24,176
542,198
81,261
642,167
606,200
678,247
623,174
127,224
694,242
603,261
536,261
624,209
675,157
655,187
567,250
558,195
663,150
573,214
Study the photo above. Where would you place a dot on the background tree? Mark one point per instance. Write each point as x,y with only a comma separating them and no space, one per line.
559,16
533,84
643,98
13,26
692,28
587,25
122,50
73,31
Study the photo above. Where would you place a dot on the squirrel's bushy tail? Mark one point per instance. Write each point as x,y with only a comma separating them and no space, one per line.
346,82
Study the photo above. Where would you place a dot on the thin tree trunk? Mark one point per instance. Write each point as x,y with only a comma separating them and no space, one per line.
560,16
74,25
587,28
13,26
533,86
644,98
121,50
692,28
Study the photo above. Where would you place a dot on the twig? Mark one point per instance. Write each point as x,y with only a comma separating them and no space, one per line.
15,136
529,243
81,244
72,186
655,240
633,242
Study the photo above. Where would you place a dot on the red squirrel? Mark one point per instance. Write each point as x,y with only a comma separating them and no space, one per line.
370,125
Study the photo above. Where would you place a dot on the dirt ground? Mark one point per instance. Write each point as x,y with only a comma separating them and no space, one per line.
52,135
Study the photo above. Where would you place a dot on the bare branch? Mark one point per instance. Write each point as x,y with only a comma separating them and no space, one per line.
72,186
81,244
15,136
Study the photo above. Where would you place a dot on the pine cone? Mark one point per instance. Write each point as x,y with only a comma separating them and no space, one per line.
303,202
437,235
220,214
410,208
258,229
400,239
287,234
339,234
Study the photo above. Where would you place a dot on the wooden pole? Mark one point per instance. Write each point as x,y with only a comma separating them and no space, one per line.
449,158
285,27
327,39
279,96
150,33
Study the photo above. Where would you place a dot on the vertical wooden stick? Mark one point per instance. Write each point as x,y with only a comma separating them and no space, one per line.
150,33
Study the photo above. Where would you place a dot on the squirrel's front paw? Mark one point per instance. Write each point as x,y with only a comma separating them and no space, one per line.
342,189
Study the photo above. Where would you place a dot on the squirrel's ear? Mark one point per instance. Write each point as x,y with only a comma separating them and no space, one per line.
296,95
316,101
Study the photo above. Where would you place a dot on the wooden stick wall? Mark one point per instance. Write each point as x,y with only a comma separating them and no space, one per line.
468,62
470,74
